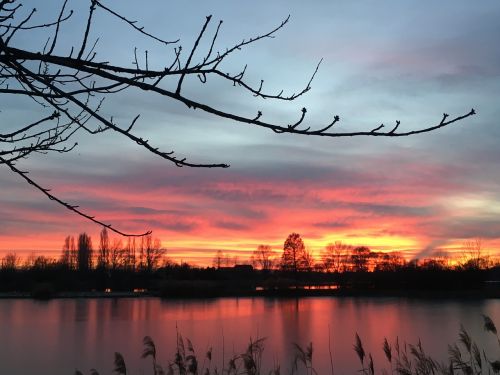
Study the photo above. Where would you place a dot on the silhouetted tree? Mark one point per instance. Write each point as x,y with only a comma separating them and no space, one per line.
218,259
116,254
473,257
359,258
127,257
10,261
221,260
263,257
153,252
66,253
29,261
433,264
84,252
103,255
294,254
39,262
70,89
73,251
308,261
42,262
389,261
334,256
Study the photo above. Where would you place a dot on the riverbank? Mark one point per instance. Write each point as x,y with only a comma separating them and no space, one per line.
184,283
91,294
275,293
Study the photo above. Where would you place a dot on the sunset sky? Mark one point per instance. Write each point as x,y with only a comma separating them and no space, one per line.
382,61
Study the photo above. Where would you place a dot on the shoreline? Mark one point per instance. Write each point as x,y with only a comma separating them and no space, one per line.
75,295
284,293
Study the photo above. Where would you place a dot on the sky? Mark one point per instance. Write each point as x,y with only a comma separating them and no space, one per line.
382,61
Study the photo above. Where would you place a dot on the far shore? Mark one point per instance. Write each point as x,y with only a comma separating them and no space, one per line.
61,295
275,293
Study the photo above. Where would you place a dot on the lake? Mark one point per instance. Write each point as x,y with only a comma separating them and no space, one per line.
62,335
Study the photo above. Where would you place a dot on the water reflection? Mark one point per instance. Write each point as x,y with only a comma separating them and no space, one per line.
61,335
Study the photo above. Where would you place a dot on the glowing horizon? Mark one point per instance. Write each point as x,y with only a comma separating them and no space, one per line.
195,252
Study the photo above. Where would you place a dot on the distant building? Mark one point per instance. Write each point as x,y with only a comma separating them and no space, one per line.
243,267
238,268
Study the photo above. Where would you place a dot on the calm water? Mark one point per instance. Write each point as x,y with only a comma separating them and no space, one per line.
59,336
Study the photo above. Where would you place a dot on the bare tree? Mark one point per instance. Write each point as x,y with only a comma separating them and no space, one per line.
73,251
103,255
42,262
128,256
11,261
335,255
153,252
359,258
84,252
307,260
473,255
66,253
222,260
115,254
29,261
391,261
69,88
69,254
217,259
263,257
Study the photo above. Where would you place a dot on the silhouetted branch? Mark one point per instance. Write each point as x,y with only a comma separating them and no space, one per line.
60,19
133,24
179,85
70,207
73,88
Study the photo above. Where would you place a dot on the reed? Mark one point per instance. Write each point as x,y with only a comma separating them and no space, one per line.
464,358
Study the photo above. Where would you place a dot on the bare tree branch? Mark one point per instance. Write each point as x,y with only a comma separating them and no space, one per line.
69,91
70,207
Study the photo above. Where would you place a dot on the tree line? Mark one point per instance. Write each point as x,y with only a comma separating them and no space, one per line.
147,254
136,254
339,257
143,253
142,265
